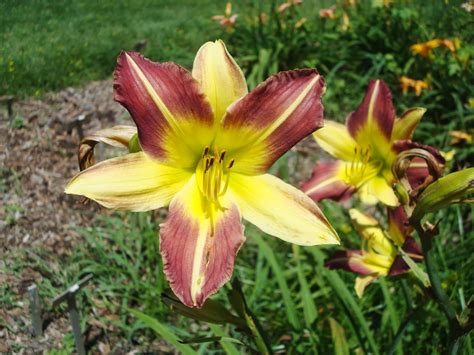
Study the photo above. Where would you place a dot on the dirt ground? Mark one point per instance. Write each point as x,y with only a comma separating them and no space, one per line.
37,158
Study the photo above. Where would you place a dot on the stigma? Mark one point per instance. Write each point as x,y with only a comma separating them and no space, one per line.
213,172
362,168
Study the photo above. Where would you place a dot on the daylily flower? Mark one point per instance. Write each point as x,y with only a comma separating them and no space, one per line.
417,85
228,19
461,136
206,145
301,22
424,49
366,148
286,5
328,12
379,256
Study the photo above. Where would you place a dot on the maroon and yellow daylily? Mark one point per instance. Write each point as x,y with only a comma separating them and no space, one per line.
380,255
366,148
206,146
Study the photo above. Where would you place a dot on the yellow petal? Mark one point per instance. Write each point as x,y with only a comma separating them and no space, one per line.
382,191
406,124
361,283
131,182
370,230
220,77
335,139
281,210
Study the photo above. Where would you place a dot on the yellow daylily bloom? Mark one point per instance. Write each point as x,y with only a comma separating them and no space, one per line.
228,19
366,148
206,145
379,256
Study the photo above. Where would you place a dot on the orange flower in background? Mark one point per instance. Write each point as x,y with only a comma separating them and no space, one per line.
301,22
424,49
263,17
460,136
227,20
417,85
328,12
286,5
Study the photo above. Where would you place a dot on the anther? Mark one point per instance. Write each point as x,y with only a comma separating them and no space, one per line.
206,150
231,164
211,162
222,156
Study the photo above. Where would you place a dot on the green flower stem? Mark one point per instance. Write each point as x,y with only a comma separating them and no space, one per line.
440,296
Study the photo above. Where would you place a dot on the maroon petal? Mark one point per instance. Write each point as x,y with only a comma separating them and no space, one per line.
398,227
411,247
375,115
413,250
166,104
326,184
199,251
272,118
398,267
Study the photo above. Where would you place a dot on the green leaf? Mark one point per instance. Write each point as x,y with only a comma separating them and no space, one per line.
309,308
417,271
338,338
290,306
225,341
163,331
351,306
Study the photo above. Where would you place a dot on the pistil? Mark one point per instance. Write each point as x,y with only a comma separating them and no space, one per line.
213,174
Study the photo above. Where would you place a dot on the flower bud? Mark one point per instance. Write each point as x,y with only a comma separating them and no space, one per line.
450,189
134,145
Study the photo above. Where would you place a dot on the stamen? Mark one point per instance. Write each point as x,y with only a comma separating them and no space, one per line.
222,156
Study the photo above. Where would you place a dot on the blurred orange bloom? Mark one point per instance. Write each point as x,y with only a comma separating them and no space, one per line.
286,5
459,136
424,49
417,85
227,20
263,17
301,22
328,12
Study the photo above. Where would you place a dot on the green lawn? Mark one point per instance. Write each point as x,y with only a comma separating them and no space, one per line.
49,45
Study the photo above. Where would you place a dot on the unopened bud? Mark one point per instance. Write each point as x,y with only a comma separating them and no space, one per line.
401,193
134,144
450,189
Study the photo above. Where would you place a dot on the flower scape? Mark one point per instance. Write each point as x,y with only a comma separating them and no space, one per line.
204,147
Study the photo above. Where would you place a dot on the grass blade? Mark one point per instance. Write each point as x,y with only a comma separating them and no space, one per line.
285,291
163,331
338,338
309,307
351,305
228,347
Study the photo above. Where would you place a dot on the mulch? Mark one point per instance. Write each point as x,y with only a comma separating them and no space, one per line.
37,159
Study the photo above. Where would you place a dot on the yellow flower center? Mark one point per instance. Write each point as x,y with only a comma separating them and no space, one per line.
213,173
362,168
